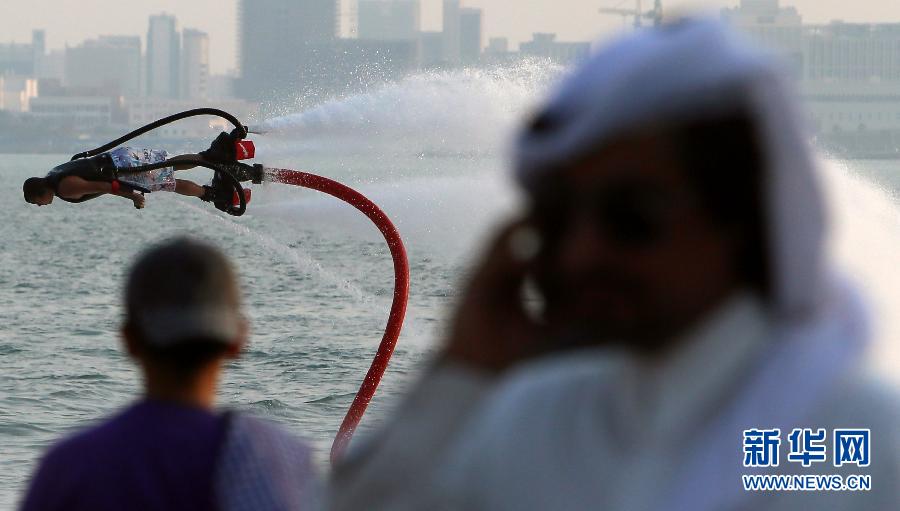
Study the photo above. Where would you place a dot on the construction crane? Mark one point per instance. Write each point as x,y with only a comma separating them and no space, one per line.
654,14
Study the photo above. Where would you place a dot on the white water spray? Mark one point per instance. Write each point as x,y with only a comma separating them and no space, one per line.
464,111
866,242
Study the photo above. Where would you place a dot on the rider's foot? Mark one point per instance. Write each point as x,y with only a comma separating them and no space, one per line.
209,194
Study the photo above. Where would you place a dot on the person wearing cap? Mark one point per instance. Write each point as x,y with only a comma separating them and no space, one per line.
171,450
683,303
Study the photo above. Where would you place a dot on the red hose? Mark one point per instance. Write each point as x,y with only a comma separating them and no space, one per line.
398,306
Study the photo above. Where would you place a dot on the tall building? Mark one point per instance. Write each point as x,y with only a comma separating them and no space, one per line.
348,65
348,24
277,40
22,59
848,74
451,31
53,66
470,35
389,20
498,45
17,92
163,52
497,52
194,64
221,87
852,52
84,112
546,46
108,64
38,49
432,48
772,25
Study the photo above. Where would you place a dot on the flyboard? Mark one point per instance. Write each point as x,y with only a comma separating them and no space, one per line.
231,173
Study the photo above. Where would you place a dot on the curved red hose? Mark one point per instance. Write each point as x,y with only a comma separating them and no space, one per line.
398,306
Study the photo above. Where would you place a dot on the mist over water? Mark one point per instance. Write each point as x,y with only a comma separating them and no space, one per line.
469,111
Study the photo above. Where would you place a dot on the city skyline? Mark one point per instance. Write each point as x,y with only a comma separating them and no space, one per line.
579,21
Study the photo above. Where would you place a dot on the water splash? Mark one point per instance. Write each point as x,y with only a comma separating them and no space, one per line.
461,111
304,261
866,241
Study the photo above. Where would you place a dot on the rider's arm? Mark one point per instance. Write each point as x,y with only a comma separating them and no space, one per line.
74,187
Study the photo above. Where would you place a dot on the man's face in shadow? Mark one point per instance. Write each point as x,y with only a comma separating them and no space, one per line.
629,256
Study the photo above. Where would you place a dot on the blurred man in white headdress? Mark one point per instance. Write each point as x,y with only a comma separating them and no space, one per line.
676,238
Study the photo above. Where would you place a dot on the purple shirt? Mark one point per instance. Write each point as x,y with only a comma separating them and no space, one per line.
154,455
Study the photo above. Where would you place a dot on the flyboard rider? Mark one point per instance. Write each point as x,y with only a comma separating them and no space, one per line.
88,178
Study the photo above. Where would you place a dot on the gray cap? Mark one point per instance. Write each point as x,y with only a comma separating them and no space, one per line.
184,290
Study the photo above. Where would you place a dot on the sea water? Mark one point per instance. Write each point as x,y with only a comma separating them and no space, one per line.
316,275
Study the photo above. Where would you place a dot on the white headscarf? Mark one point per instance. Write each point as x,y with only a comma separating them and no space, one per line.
686,71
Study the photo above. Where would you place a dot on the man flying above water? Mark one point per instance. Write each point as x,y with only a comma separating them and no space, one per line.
88,178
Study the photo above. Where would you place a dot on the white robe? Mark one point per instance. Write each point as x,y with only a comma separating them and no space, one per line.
392,468
594,430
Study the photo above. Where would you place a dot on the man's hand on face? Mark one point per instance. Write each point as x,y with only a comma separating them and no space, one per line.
491,329
138,200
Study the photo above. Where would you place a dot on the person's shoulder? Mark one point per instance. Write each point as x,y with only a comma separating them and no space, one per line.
85,440
261,436
262,466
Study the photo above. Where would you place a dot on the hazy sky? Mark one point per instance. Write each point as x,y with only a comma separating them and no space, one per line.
70,22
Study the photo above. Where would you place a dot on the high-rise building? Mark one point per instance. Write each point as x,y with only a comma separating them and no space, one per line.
389,20
451,31
470,35
194,64
348,65
432,48
23,59
38,49
221,87
772,25
848,52
109,64
497,52
348,24
163,55
498,45
53,66
16,59
546,46
848,74
768,22
17,92
277,40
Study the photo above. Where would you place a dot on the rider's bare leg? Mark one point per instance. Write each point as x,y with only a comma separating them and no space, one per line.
189,188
